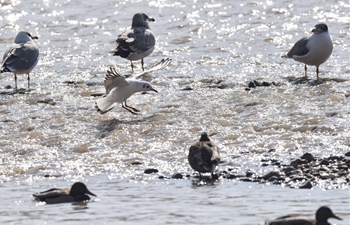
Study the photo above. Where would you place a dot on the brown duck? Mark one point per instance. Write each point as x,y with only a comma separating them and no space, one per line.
322,216
204,155
77,193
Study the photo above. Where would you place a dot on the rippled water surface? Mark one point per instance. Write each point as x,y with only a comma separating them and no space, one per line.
52,136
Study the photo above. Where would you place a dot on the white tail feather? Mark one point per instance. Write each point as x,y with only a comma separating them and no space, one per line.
104,104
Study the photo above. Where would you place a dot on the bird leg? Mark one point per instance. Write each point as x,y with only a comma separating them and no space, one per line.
143,69
28,78
136,110
129,108
317,72
132,67
16,81
305,71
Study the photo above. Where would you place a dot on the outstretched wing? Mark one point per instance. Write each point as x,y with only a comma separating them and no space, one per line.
114,79
158,66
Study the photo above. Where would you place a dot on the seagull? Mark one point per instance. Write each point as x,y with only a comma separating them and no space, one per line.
204,155
118,90
22,56
136,42
322,216
314,50
77,193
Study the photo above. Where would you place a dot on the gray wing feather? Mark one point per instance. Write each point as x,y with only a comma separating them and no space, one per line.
141,39
21,57
299,48
114,79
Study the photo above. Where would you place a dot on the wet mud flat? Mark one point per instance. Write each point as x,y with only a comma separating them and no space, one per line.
305,172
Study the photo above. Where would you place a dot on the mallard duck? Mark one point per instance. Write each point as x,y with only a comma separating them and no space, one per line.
77,193
322,216
204,155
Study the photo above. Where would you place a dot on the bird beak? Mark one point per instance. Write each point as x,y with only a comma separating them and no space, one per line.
90,193
314,31
35,37
334,216
151,19
154,90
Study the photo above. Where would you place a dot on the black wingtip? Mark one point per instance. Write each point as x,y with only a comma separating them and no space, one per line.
4,70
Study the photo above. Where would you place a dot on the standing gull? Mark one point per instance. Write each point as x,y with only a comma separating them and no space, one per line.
137,42
204,155
77,193
314,50
22,56
118,90
322,216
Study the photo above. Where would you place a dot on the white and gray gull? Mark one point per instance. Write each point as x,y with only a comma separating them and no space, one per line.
21,57
118,90
136,42
314,50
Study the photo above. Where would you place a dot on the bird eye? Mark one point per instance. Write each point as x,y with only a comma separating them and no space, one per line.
144,86
147,86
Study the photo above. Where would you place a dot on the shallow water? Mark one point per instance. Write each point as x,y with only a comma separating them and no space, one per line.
216,48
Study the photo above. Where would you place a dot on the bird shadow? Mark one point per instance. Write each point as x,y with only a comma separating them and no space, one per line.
312,82
107,127
15,91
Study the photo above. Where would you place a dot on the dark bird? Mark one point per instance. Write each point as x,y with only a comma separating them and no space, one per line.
77,193
322,216
136,42
21,57
314,50
204,155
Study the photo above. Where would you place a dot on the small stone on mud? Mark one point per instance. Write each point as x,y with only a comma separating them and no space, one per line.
177,176
149,171
187,89
306,185
49,101
308,157
271,174
249,173
324,162
231,176
298,162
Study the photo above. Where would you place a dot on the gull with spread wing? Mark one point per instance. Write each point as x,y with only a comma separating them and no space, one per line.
118,90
